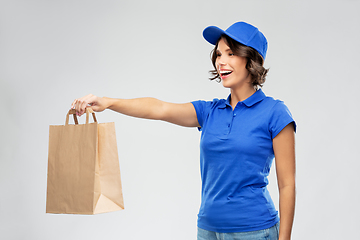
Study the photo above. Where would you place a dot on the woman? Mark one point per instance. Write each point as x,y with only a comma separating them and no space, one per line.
240,137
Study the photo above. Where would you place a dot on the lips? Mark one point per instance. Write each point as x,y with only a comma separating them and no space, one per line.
225,73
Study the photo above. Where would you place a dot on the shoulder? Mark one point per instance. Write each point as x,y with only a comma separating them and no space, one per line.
278,114
209,104
278,105
270,101
272,105
204,108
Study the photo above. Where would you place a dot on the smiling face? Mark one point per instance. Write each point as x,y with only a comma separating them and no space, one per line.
231,68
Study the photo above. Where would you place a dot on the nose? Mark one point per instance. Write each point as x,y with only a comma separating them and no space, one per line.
220,63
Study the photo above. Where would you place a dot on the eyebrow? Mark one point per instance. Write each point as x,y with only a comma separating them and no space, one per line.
227,50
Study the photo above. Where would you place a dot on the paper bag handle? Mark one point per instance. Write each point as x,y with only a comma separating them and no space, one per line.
73,112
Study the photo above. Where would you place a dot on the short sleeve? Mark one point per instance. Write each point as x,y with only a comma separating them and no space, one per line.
202,109
280,117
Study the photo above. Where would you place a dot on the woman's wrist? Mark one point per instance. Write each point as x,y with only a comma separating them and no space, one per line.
108,102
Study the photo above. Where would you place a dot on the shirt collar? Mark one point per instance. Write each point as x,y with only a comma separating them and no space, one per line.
258,96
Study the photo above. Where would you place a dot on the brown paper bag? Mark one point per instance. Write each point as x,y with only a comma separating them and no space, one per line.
83,168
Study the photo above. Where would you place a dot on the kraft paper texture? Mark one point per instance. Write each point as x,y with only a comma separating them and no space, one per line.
83,168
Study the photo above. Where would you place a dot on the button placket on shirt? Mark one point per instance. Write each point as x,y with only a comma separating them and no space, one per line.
234,114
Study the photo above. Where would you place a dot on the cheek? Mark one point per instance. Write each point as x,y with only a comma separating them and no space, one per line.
241,62
242,67
216,64
245,72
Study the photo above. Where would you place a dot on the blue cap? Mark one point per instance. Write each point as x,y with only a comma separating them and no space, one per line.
241,32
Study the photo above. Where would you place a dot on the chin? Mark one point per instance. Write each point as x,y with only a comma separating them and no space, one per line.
225,84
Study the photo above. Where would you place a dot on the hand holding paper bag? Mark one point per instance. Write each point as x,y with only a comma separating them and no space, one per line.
97,104
83,168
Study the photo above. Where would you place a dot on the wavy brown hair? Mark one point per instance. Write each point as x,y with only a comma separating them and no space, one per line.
254,63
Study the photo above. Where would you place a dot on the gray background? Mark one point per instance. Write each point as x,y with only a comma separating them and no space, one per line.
52,52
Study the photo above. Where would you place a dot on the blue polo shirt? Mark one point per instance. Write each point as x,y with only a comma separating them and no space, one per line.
236,153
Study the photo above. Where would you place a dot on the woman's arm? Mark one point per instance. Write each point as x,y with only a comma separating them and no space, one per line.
149,108
284,150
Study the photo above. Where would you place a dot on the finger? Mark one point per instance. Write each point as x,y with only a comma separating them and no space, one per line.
73,104
83,106
87,101
78,106
78,103
82,103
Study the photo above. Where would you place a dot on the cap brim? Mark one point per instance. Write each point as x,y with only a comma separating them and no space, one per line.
212,34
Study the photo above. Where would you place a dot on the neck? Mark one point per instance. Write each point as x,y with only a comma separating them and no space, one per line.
240,94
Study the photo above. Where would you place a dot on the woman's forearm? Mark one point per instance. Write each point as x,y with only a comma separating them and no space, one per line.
287,210
149,108
284,151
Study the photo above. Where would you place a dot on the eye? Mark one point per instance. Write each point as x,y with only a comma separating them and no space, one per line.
218,54
231,54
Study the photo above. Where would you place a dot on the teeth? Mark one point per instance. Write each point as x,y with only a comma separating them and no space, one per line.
225,72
